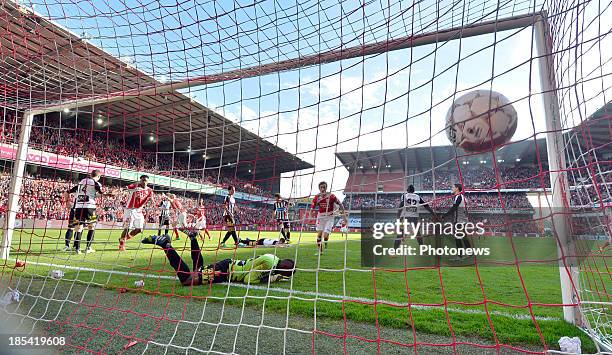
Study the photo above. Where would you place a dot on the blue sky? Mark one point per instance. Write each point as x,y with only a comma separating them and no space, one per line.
391,100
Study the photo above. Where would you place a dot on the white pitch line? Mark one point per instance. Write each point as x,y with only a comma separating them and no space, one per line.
327,297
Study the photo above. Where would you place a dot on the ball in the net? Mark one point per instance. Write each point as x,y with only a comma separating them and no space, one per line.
481,120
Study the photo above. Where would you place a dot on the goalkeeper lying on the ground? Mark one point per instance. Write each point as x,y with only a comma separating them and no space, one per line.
262,269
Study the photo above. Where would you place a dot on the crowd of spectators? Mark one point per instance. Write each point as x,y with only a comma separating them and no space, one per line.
43,198
485,178
475,201
103,148
516,177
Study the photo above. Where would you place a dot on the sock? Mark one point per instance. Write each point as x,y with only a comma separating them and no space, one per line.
288,236
90,235
159,231
167,230
176,235
235,237
77,240
283,233
69,236
227,235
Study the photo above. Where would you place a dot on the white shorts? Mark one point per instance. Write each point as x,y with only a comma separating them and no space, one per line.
181,220
325,223
344,229
133,219
200,223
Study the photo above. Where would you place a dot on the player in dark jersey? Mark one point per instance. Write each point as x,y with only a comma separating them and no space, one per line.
262,269
281,214
458,214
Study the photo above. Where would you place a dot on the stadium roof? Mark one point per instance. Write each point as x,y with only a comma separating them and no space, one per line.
44,63
424,158
591,136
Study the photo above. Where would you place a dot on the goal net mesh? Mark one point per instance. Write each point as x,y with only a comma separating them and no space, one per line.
274,97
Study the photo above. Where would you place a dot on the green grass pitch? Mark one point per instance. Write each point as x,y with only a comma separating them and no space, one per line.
491,303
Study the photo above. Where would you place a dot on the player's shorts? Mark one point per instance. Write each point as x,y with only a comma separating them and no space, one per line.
229,221
164,220
344,229
84,216
285,223
325,223
221,270
200,223
181,219
133,219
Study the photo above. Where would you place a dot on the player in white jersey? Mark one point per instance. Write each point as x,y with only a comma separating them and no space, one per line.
459,216
410,204
133,218
263,242
83,211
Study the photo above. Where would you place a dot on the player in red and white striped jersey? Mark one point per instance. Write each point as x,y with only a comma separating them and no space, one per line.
180,214
133,218
200,215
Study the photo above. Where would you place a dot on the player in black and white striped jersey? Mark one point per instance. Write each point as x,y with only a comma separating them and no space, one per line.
84,209
281,214
229,210
164,216
409,211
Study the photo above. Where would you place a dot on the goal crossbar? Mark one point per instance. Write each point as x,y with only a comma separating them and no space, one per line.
334,55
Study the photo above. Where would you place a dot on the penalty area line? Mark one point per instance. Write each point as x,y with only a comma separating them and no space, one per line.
322,296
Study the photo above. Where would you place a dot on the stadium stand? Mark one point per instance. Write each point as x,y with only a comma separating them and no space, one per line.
42,199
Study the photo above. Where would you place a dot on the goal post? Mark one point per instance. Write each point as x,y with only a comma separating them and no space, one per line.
14,192
569,272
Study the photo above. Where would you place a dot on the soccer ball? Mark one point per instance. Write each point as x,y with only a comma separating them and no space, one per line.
480,120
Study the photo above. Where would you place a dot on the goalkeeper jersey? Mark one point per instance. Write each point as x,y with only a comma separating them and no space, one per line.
254,270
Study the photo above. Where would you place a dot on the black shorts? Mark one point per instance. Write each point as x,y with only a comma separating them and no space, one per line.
223,267
285,223
164,220
84,216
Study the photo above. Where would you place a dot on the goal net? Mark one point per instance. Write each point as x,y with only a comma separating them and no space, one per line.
162,168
